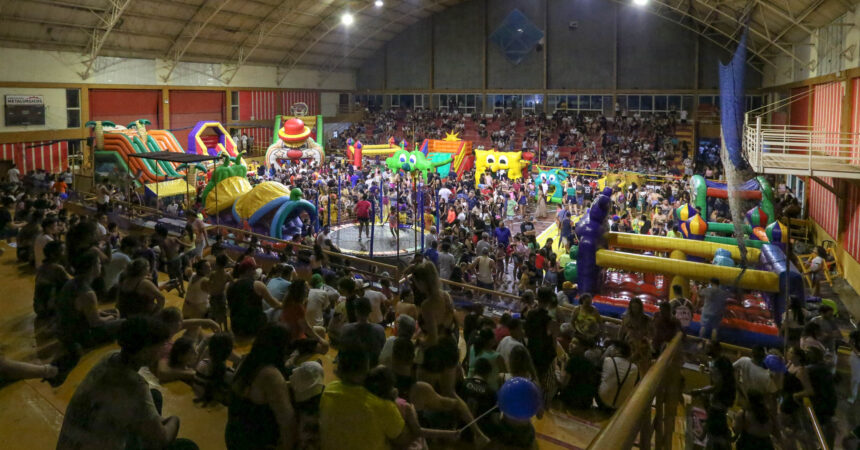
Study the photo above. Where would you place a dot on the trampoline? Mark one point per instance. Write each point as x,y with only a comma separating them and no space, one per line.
384,245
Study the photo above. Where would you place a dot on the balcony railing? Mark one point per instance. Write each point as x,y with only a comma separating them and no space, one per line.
801,150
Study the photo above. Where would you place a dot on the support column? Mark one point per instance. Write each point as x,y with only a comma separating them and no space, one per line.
165,108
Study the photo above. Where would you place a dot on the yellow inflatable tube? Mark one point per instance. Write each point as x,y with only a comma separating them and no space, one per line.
700,249
752,279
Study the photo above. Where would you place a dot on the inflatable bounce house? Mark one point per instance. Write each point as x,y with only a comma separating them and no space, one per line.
553,178
268,208
210,138
614,277
437,150
515,163
452,153
415,161
761,225
114,143
292,141
355,150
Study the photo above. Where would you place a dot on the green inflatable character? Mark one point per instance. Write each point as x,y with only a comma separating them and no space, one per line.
570,271
412,161
553,179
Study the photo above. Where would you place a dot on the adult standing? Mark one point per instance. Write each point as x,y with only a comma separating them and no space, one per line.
713,299
438,343
362,213
245,298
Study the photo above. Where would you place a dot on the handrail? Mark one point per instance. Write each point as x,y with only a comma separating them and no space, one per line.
626,423
819,433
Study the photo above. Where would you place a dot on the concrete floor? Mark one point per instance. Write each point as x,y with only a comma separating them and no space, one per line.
31,412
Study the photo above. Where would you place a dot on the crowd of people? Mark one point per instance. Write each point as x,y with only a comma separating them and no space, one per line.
402,380
591,140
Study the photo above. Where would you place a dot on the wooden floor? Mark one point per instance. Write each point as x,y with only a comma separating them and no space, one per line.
31,412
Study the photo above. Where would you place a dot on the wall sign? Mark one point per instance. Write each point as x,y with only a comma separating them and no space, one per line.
25,110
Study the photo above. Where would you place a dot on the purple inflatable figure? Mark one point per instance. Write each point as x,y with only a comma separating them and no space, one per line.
590,231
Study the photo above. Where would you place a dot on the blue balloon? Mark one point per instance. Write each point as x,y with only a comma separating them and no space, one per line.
723,261
520,399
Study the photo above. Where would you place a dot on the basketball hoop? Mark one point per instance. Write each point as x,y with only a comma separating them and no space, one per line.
299,109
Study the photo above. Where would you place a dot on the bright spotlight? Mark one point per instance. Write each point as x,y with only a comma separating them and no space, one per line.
378,3
640,2
346,19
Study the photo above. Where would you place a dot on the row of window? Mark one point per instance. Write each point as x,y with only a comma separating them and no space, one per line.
534,103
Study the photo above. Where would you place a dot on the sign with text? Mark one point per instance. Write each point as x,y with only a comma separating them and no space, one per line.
25,110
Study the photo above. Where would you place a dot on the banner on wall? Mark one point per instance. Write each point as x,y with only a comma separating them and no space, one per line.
25,110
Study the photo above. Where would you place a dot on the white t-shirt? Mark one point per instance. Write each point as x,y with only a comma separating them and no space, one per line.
444,194
13,174
617,377
318,301
376,299
117,264
752,377
39,247
506,346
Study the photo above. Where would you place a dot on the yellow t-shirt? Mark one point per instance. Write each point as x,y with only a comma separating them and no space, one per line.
352,417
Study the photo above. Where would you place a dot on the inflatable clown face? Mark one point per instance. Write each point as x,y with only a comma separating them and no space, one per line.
512,162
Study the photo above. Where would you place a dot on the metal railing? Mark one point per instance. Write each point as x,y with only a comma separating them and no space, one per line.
661,387
800,149
816,427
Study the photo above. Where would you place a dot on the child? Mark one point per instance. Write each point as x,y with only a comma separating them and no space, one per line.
212,377
179,363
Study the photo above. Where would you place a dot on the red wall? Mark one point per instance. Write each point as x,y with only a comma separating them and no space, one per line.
189,107
800,107
263,105
822,206
123,106
51,156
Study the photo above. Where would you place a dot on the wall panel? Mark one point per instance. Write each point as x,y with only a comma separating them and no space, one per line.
189,107
122,106
371,75
855,121
258,105
852,234
310,98
800,107
459,44
653,53
827,116
501,73
580,58
52,156
822,206
409,58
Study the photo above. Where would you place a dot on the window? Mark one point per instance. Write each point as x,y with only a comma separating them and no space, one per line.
688,103
646,103
73,108
633,102
596,103
660,103
234,105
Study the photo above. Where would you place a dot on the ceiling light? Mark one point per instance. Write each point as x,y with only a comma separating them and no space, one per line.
378,3
346,19
519,30
640,2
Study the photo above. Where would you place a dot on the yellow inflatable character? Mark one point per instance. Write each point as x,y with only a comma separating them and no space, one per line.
512,162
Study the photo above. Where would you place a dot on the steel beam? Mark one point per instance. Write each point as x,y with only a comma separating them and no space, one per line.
100,34
177,50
